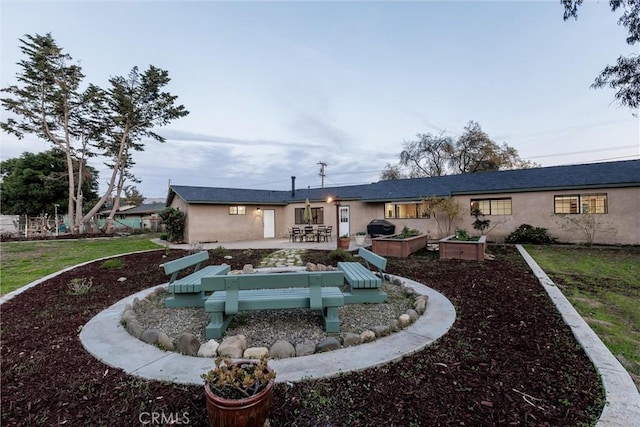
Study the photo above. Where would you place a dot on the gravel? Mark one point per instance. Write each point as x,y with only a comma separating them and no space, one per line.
263,328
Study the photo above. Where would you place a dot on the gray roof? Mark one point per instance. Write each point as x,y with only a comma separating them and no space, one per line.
583,177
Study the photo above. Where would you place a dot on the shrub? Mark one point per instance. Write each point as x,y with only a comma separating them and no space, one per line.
174,222
112,263
80,286
221,251
529,234
338,255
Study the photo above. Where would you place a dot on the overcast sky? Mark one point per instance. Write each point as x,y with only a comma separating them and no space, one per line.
274,88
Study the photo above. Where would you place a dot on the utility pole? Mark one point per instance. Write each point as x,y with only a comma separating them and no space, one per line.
322,174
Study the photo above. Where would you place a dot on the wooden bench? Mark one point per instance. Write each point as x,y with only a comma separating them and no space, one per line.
186,291
364,284
318,291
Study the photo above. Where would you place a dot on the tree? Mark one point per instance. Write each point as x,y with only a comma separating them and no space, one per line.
174,220
444,209
472,152
33,183
624,76
49,104
587,224
132,196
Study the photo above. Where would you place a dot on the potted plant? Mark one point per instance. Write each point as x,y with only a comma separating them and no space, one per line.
360,235
238,393
343,241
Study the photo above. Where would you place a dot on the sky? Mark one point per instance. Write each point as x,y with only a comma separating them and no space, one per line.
275,88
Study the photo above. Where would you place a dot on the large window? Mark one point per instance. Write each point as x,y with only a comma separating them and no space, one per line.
237,210
316,213
492,206
406,210
580,204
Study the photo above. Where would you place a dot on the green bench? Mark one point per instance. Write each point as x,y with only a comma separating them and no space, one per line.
318,291
364,284
187,291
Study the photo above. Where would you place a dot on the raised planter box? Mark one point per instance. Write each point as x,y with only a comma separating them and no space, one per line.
401,248
457,249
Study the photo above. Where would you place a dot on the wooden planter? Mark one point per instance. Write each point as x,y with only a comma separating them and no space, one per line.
401,248
457,249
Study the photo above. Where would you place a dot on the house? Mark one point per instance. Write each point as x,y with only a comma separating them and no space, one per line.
609,191
141,217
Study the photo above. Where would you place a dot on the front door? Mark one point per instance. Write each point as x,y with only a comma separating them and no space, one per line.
269,223
343,227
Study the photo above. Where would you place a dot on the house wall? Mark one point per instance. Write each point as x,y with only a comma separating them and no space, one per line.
537,209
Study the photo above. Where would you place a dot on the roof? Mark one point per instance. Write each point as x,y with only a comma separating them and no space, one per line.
583,176
146,209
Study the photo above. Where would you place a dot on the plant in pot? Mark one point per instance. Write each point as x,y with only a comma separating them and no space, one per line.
238,393
343,241
360,235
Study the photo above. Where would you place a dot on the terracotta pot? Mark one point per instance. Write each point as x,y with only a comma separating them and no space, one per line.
343,242
249,412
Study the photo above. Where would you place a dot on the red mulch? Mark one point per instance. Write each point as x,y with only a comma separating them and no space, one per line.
508,360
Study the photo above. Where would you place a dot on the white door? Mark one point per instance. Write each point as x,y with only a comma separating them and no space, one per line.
269,223
343,227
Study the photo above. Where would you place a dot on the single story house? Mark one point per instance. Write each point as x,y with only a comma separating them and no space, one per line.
141,217
609,192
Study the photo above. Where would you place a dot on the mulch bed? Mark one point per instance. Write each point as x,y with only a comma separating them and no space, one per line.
508,360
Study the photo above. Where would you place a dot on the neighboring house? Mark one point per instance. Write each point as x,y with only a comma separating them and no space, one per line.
142,217
610,191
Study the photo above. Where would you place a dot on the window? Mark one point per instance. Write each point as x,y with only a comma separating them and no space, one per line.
492,206
406,210
237,210
316,213
580,204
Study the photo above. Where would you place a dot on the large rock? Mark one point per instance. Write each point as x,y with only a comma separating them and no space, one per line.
248,269
134,327
328,344
282,349
165,342
380,330
305,348
350,339
208,349
404,320
128,315
256,353
188,344
150,336
421,304
233,346
367,336
413,315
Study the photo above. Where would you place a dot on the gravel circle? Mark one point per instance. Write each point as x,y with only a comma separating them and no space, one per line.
264,327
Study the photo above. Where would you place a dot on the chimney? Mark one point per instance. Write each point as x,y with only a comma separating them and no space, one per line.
293,186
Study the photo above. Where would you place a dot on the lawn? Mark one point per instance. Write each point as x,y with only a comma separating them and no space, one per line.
603,284
25,261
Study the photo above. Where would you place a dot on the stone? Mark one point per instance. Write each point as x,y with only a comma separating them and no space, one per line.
413,315
321,267
165,342
311,267
380,331
394,325
256,353
350,339
420,305
328,344
408,290
282,350
134,327
128,307
248,269
305,348
122,279
233,346
128,315
228,257
150,336
367,336
208,349
404,320
161,291
188,344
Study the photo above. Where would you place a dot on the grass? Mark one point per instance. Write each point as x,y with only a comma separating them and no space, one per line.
603,284
24,262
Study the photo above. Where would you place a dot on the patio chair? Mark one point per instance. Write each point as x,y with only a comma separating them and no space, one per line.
296,234
322,232
327,233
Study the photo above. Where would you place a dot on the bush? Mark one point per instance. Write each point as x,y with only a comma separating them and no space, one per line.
173,220
528,234
340,255
112,263
220,251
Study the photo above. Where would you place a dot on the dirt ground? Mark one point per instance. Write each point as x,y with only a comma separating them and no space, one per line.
508,359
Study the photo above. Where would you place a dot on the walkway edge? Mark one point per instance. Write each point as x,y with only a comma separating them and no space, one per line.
107,340
623,400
